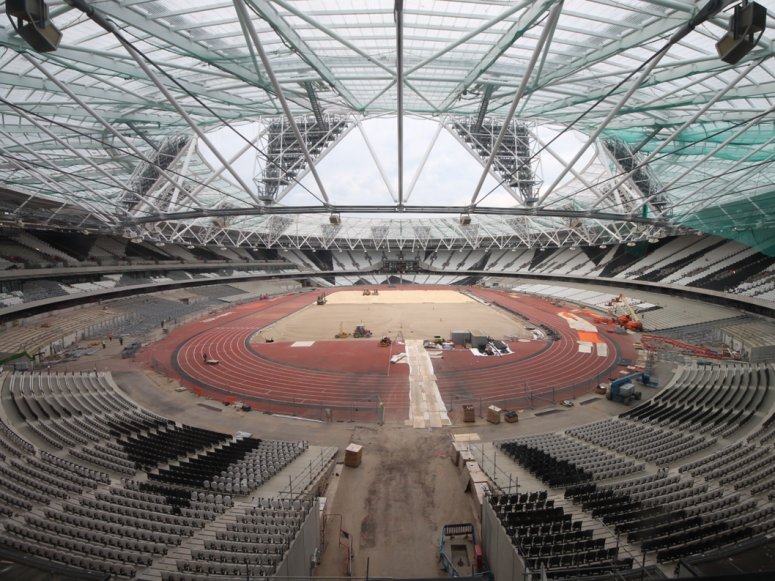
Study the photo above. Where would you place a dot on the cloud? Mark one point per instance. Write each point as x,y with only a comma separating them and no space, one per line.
449,177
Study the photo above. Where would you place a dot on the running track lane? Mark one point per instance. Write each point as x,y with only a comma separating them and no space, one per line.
560,366
243,374
246,375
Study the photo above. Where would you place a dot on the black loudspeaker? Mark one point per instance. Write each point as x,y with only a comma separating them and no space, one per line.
739,41
33,24
41,39
749,19
26,9
731,49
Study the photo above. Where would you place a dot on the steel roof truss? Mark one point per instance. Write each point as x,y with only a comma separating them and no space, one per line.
741,75
281,27
541,45
525,22
248,23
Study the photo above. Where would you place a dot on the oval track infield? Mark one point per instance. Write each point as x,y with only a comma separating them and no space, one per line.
353,376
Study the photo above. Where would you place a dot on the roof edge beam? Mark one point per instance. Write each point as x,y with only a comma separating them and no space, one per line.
391,209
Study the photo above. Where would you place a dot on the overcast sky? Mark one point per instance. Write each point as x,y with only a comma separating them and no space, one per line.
449,177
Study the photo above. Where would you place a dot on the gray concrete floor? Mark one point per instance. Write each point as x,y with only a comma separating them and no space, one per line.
395,503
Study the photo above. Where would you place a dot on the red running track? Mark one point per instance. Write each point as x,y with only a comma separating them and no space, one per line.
561,369
355,374
244,374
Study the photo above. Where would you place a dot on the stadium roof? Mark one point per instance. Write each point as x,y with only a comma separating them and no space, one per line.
125,120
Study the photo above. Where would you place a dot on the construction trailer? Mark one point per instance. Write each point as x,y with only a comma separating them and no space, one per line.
623,389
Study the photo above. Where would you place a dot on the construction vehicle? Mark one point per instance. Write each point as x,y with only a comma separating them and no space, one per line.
322,300
622,389
624,314
361,331
385,342
366,292
630,322
342,334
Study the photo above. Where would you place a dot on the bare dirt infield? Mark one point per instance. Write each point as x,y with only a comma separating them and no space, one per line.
414,314
398,297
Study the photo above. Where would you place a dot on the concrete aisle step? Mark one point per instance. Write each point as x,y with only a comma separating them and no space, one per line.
297,475
196,541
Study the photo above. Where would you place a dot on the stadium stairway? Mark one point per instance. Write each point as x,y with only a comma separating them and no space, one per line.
305,470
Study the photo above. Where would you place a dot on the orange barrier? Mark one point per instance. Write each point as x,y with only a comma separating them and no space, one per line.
589,337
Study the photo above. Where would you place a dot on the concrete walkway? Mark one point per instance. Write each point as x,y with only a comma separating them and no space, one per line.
426,408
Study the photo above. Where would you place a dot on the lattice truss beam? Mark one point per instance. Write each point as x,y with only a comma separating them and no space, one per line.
118,123
281,157
515,165
294,232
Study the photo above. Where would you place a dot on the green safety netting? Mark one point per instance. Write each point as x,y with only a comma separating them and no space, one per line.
750,221
755,144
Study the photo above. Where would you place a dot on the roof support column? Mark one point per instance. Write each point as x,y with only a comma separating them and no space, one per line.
551,22
579,176
398,14
244,17
375,157
424,160
242,151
